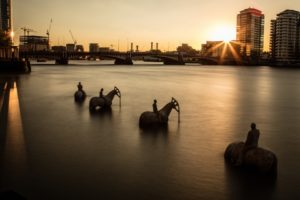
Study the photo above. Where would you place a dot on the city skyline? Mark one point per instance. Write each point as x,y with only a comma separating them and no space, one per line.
118,23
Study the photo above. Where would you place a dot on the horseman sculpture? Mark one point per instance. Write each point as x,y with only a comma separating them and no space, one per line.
80,94
104,101
159,118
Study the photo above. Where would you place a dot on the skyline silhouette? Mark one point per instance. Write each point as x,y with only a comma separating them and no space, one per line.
117,23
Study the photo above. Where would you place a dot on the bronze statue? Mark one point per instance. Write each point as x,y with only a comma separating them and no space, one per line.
105,100
80,94
160,118
249,155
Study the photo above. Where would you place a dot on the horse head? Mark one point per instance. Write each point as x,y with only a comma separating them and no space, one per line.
117,92
176,107
175,104
166,110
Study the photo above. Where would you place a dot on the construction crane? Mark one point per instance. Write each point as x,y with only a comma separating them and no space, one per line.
26,30
48,33
75,42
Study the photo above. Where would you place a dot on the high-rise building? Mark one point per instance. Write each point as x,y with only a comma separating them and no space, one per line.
250,32
5,16
285,37
272,39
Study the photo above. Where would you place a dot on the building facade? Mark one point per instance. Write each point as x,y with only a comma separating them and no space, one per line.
79,48
5,18
285,37
94,47
272,39
59,48
33,43
70,47
250,32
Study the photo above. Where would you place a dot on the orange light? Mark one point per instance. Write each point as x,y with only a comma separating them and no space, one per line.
12,34
223,33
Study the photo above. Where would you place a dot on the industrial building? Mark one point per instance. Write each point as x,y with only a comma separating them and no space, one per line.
70,47
94,47
33,43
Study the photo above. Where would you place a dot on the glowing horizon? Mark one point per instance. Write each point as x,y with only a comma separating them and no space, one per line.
223,33
117,23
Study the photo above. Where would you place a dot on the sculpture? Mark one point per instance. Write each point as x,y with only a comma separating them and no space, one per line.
160,118
105,101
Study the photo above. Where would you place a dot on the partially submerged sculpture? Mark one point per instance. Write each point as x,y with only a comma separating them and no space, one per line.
250,156
104,101
80,94
160,118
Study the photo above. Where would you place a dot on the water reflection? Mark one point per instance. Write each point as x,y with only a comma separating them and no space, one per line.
80,106
4,95
248,185
102,113
107,150
79,103
14,159
15,138
155,134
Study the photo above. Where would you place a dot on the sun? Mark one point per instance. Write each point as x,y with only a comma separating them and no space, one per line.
223,33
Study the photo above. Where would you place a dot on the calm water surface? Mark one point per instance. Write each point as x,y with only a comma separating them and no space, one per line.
60,150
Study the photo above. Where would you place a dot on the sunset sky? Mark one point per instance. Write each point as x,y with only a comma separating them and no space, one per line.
113,22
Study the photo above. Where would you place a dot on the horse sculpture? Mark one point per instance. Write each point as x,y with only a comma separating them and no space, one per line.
80,94
105,101
257,159
155,120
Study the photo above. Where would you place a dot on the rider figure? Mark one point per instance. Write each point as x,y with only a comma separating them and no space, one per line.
79,86
155,110
155,106
101,93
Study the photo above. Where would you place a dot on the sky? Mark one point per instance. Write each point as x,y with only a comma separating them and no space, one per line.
117,23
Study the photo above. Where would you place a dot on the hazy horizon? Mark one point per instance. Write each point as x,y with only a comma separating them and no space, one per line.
167,22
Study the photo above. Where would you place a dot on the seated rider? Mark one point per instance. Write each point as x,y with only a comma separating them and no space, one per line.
101,93
79,86
155,106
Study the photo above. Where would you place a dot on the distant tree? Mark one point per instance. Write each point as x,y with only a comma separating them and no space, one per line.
185,48
4,39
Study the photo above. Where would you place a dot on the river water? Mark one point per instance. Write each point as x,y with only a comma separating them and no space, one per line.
57,149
